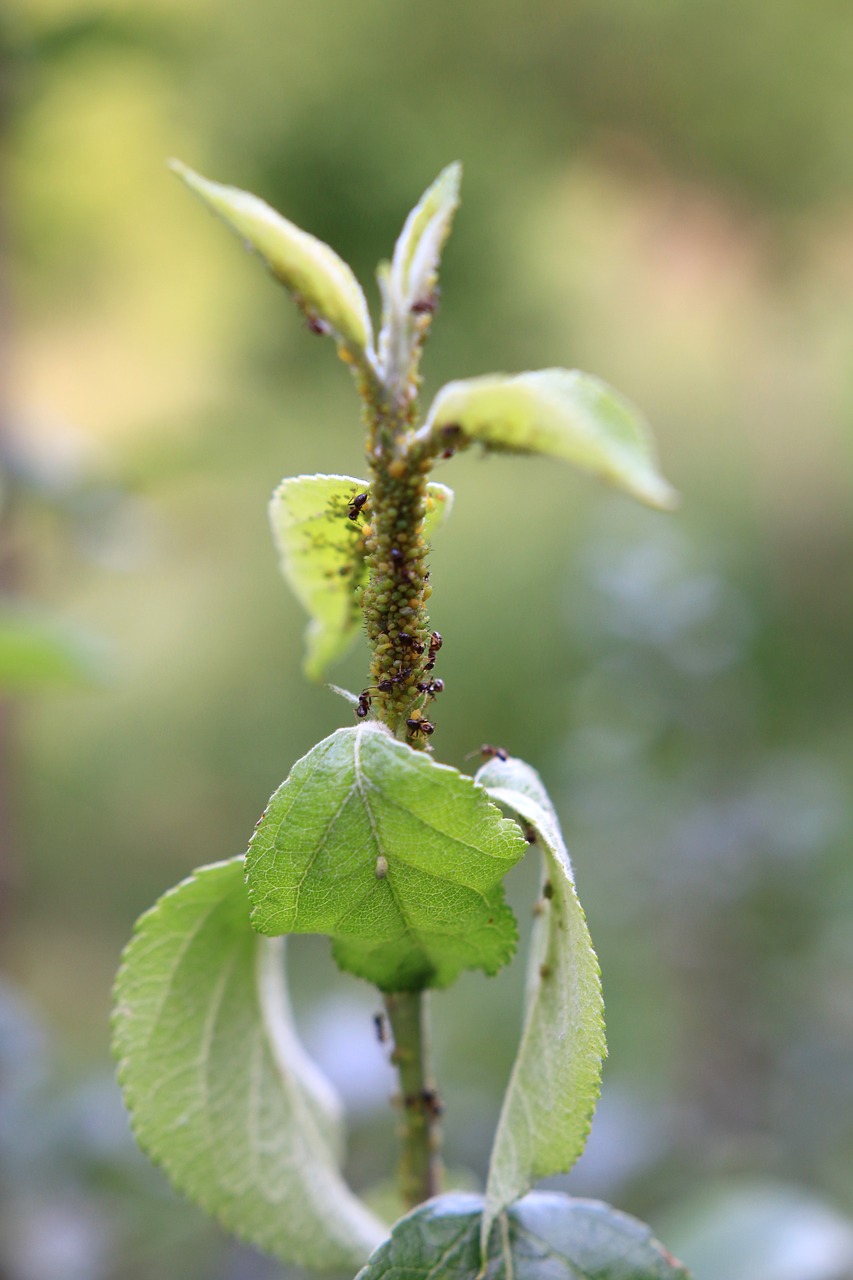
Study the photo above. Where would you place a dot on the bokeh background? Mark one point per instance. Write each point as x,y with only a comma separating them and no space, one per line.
657,192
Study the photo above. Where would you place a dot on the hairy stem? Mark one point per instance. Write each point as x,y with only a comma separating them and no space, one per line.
420,1165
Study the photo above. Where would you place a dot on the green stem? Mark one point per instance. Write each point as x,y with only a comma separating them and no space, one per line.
420,1164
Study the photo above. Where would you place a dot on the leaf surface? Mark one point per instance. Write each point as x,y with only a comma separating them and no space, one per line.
397,858
321,552
561,413
409,282
321,283
219,1089
556,1078
545,1236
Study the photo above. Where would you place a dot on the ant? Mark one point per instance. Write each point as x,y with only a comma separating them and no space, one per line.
364,701
435,643
386,686
417,646
431,687
315,325
425,306
488,752
355,505
418,725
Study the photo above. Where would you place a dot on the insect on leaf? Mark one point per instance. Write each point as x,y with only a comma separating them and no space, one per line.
219,1089
408,284
555,1081
322,284
561,413
400,860
321,552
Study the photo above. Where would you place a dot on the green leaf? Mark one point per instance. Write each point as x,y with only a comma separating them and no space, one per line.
545,1236
38,652
408,284
556,1079
219,1090
321,552
562,413
397,858
322,284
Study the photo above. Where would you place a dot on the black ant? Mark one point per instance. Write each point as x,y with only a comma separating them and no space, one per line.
417,725
355,505
363,707
386,686
431,687
425,306
315,325
417,646
435,643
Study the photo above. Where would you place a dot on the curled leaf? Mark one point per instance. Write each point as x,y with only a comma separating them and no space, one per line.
219,1089
322,284
556,1078
561,413
408,284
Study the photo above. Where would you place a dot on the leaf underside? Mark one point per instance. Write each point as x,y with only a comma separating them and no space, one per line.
563,414
545,1236
321,283
398,859
219,1089
321,552
556,1078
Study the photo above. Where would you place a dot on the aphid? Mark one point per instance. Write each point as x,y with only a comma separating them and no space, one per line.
530,834
548,890
417,725
380,1022
364,701
381,868
355,505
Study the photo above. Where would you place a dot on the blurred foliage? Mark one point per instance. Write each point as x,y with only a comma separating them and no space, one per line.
657,192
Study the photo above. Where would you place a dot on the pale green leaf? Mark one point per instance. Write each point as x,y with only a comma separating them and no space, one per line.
322,284
555,1082
321,552
545,1236
219,1089
561,413
397,858
408,284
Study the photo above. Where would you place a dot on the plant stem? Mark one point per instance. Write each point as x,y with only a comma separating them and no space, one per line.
420,1164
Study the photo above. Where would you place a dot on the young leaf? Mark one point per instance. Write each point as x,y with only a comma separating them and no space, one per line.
555,1081
399,859
409,283
543,1235
559,412
321,552
219,1090
322,284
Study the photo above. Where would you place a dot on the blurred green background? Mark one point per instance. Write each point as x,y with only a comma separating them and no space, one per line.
657,192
